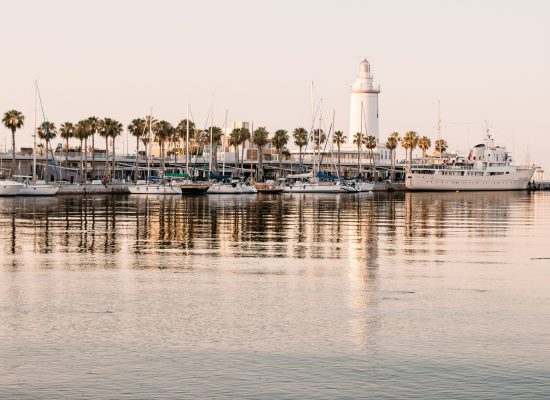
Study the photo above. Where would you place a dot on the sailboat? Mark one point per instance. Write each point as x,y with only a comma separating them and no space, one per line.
32,186
312,182
147,187
10,188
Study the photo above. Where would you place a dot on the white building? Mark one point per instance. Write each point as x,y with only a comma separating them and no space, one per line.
363,115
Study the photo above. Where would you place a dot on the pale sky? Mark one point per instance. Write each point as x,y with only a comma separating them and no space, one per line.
485,60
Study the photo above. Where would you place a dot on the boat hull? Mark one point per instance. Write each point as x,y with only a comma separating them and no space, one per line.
10,188
154,190
314,188
230,189
38,190
518,180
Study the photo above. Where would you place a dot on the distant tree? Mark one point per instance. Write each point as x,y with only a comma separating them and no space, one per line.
235,141
300,139
46,132
66,131
243,138
441,146
409,142
93,123
137,129
339,139
217,134
81,132
391,145
279,141
260,139
13,120
424,143
163,131
358,140
319,137
370,145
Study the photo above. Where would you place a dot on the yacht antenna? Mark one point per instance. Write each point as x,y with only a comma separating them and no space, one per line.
34,139
187,142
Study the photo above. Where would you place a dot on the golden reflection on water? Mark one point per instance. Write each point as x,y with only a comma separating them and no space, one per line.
307,226
391,286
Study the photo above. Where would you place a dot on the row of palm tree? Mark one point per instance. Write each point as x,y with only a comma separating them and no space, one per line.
162,132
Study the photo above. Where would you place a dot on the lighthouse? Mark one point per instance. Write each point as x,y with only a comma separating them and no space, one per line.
363,114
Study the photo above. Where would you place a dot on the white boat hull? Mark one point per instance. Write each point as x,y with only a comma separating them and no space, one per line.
226,188
10,188
517,180
364,186
38,190
154,189
301,187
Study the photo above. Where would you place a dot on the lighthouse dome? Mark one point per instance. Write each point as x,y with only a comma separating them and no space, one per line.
364,69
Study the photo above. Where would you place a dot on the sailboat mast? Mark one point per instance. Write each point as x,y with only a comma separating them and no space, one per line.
187,142
34,138
149,144
319,135
211,144
223,142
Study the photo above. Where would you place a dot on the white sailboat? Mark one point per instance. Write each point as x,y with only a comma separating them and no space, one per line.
32,186
235,186
10,188
146,187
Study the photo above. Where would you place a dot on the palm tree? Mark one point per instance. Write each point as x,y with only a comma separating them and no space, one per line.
338,139
47,131
216,133
300,140
280,140
370,145
424,143
93,124
81,133
441,146
115,129
243,137
66,131
235,140
137,129
319,138
358,140
260,139
409,143
391,145
13,120
163,130
181,130
104,132
150,123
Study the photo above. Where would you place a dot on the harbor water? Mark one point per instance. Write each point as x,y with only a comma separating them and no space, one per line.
384,295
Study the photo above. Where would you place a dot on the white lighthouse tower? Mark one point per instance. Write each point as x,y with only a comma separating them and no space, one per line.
363,114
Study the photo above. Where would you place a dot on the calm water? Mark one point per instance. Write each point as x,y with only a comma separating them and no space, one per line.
314,296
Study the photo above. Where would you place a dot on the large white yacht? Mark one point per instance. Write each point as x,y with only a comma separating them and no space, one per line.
488,167
306,183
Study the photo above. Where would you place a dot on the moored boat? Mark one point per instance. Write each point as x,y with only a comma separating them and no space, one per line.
10,188
146,188
235,186
488,167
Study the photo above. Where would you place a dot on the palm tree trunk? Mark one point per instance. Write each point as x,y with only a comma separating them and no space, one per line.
242,157
66,160
338,150
300,170
13,151
358,160
93,155
106,155
260,164
236,156
81,163
280,156
136,171
86,159
113,176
